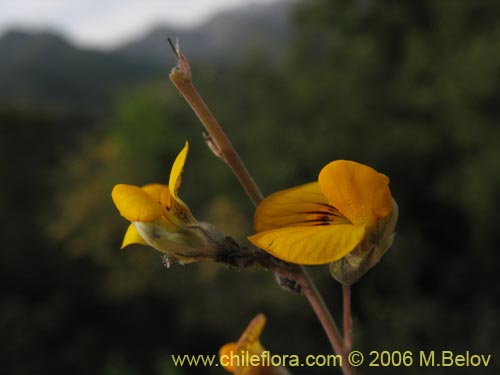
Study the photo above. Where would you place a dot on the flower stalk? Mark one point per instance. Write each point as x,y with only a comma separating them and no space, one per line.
220,144
347,320
325,317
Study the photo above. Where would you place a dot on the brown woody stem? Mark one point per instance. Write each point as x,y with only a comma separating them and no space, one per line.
182,79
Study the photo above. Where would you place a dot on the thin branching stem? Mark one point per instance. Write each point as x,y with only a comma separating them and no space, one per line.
346,297
324,316
220,144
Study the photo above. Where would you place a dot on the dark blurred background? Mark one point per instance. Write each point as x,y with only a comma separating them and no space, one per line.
411,88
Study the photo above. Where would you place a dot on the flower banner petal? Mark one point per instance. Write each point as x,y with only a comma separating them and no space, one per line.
176,173
359,192
299,206
135,204
310,245
178,207
132,237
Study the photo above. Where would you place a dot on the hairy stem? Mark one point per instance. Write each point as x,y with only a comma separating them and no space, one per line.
219,143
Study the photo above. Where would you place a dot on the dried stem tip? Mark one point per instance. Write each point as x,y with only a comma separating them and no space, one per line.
181,72
182,80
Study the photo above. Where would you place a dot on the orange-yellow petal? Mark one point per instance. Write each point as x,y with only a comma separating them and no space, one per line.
160,193
303,205
176,173
231,354
237,357
226,353
252,333
179,209
359,192
132,237
135,204
310,245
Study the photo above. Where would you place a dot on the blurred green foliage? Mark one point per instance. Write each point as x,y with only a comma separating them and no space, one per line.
411,88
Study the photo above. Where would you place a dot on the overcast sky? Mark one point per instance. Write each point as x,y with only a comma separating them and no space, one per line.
105,23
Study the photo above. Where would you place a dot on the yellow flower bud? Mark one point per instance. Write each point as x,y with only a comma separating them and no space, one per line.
248,356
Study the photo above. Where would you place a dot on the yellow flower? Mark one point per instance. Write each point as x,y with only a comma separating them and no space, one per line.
160,219
349,208
248,356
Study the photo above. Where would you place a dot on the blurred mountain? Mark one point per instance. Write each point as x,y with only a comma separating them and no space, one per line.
228,36
44,67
